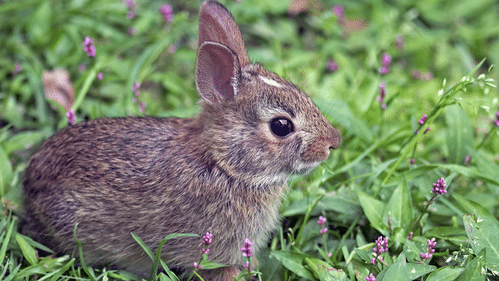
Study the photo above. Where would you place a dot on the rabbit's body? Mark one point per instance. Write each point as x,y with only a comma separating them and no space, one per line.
222,172
152,179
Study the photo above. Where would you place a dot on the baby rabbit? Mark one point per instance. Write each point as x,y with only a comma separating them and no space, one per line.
223,171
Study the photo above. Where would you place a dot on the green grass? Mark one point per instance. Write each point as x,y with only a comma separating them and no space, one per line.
366,189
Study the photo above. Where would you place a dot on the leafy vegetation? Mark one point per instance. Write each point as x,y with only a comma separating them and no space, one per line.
437,73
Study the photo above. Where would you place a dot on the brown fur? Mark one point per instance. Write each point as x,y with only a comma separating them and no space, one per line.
223,171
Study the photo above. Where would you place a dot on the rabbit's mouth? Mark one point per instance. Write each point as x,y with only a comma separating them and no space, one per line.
302,168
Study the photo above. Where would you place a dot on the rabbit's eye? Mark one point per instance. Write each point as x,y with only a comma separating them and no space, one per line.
281,126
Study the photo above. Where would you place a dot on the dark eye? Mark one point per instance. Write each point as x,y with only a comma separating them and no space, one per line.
281,126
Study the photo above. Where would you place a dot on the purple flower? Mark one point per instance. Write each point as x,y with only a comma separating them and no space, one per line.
197,266
71,117
496,122
439,187
422,120
322,220
399,42
427,129
247,265
100,76
17,68
413,161
135,88
142,106
381,245
416,74
429,250
431,244
386,59
382,88
323,231
332,66
410,235
371,277
166,12
246,249
384,70
81,67
467,160
88,46
207,238
427,76
172,49
130,14
131,31
130,4
382,94
338,10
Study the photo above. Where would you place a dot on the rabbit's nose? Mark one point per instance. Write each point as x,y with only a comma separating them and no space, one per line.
335,140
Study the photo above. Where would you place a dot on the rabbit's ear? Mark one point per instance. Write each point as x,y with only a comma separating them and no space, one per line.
217,24
218,73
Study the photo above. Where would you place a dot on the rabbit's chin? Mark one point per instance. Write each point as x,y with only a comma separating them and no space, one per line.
302,168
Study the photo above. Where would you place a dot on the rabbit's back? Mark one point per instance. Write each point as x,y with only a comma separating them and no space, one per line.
142,175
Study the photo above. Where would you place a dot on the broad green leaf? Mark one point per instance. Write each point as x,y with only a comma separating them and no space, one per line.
471,207
445,231
341,204
373,209
6,173
412,251
23,140
485,164
398,270
35,244
415,270
28,251
399,208
459,133
207,264
475,270
323,271
482,233
293,262
445,274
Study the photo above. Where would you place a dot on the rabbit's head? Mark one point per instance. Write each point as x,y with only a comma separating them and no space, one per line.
257,126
